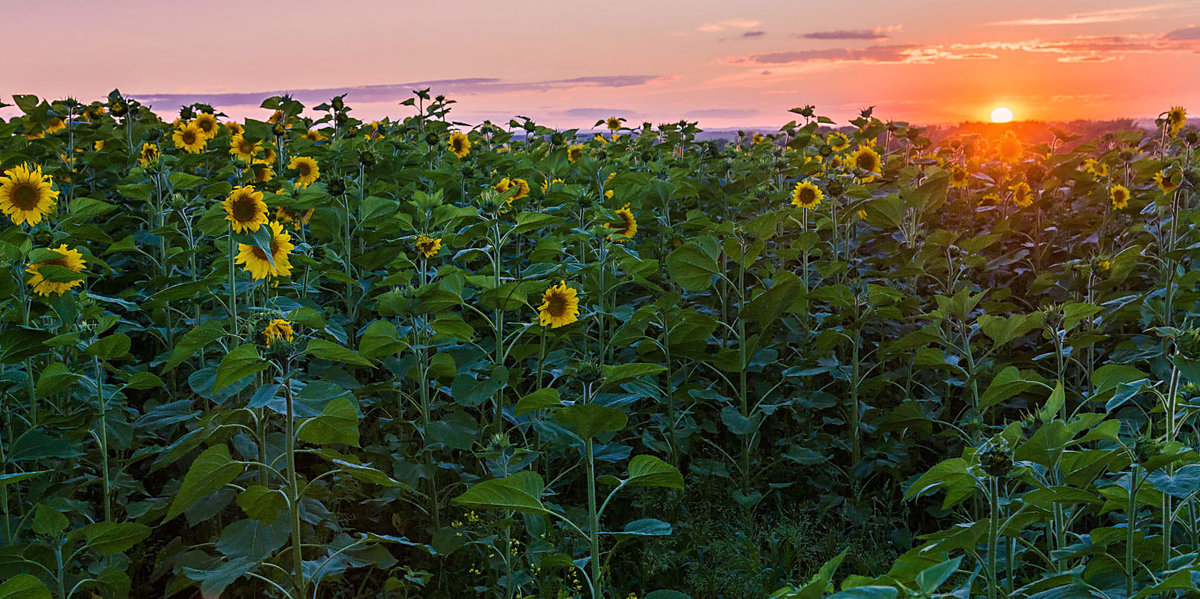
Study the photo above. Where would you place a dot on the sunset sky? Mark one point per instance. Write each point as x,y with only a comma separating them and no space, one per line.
568,63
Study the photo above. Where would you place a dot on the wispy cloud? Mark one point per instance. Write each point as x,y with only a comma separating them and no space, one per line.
719,26
874,33
722,113
891,53
1112,15
400,91
753,34
1191,32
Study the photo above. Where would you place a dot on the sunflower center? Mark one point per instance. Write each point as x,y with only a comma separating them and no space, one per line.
189,137
557,305
245,147
304,169
866,162
25,196
807,195
244,209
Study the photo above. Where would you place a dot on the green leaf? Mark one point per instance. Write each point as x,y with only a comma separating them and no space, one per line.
241,362
108,538
380,339
538,400
112,346
184,180
520,492
23,586
817,587
192,342
327,350
693,266
59,274
1002,329
14,477
212,470
867,592
261,503
649,471
1005,385
55,378
589,420
1055,403
469,391
931,578
338,423
49,522
624,372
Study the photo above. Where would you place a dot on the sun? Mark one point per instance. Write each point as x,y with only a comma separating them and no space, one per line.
1002,114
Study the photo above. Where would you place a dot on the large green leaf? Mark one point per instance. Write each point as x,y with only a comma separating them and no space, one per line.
107,538
241,362
521,492
649,471
212,470
693,266
338,423
589,420
23,586
328,350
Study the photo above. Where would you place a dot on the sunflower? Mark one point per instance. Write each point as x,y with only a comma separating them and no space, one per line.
1176,119
269,156
244,149
574,153
613,123
1095,168
287,215
69,259
838,142
1164,182
26,195
428,246
460,145
190,138
560,306
245,209
98,145
505,184
275,117
306,170
806,195
625,227
959,177
757,138
1010,147
235,128
148,154
374,130
257,262
262,173
1022,194
207,124
990,199
314,135
278,329
865,158
547,185
55,125
1119,194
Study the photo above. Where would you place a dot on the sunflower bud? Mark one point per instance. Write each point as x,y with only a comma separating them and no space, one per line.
118,108
279,129
1191,136
835,187
1145,448
338,104
995,460
336,186
588,371
341,118
1188,343
556,138
825,151
367,158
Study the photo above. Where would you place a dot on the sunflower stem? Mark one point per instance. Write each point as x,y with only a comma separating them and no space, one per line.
232,286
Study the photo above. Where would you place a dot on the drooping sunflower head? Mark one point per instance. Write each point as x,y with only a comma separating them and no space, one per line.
148,154
1165,181
207,123
838,142
625,227
278,329
1176,119
428,246
865,158
1022,194
46,283
574,153
1119,194
1010,147
959,176
276,117
245,209
807,195
560,306
244,149
262,172
26,196
613,123
259,264
234,128
306,169
55,125
460,144
298,218
522,188
190,138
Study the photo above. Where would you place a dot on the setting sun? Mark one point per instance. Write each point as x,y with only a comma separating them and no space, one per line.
1002,114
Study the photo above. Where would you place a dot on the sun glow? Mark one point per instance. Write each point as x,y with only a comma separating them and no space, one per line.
1002,114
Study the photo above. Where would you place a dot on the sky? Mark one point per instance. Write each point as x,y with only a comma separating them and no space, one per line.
568,63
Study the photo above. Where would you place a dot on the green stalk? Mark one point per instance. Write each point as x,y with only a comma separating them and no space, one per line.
103,438
233,285
993,533
593,522
1131,517
293,489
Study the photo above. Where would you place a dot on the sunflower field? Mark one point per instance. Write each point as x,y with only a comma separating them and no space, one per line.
310,356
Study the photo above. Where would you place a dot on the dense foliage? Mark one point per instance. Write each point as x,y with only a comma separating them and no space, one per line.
319,357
